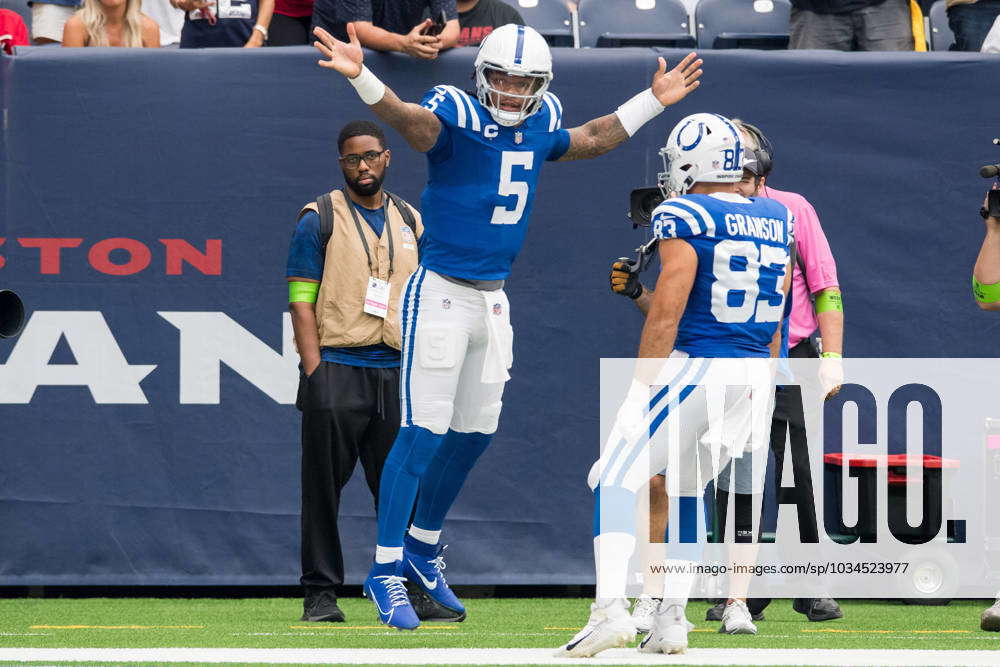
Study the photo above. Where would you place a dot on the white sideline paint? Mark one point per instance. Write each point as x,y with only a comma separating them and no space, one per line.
508,656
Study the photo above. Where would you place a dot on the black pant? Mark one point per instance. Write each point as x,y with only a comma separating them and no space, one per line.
971,23
347,412
788,434
289,30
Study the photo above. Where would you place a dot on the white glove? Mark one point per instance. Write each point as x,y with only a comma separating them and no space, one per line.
831,374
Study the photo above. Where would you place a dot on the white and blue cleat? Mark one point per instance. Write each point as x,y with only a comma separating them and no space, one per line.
423,565
385,587
670,631
609,626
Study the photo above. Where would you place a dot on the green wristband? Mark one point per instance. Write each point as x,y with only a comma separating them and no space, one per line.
985,293
829,301
831,355
300,292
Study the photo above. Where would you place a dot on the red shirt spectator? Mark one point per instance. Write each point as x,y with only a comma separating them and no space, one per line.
13,32
478,18
290,23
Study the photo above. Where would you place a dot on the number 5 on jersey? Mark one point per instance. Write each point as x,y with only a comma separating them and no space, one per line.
508,186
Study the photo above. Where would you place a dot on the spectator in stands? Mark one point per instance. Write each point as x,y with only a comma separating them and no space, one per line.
220,24
169,18
290,23
971,20
852,25
13,32
345,281
48,19
477,18
391,25
992,42
111,23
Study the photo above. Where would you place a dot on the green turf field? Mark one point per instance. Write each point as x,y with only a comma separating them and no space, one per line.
492,623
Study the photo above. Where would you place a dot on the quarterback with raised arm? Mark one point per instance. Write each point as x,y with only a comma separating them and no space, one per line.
484,154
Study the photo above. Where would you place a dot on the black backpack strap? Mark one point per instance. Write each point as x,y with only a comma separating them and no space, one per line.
325,205
405,211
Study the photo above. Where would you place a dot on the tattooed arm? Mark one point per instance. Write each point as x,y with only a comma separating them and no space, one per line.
595,137
419,126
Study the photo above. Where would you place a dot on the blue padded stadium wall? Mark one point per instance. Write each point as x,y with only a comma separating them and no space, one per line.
227,145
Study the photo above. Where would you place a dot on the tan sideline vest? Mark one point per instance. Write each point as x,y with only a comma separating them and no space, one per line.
340,311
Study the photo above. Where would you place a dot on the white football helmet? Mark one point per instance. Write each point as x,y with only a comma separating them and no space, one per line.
515,50
702,148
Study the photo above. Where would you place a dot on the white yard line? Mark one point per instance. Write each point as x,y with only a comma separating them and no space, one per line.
512,656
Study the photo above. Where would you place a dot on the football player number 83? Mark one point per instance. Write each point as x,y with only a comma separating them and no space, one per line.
744,279
508,186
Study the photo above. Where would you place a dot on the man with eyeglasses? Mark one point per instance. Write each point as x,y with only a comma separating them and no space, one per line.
351,253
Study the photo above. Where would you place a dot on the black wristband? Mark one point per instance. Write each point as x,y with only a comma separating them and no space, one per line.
638,292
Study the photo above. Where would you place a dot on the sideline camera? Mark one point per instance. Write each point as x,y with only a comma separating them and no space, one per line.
641,204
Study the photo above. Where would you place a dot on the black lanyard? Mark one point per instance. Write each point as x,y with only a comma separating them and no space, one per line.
361,232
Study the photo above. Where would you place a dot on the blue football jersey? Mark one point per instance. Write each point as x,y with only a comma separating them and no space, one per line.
481,183
737,298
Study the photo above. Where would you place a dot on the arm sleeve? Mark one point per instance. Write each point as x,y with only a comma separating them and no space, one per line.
674,219
354,10
449,6
821,269
305,254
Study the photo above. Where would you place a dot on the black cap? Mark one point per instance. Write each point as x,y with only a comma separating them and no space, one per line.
751,162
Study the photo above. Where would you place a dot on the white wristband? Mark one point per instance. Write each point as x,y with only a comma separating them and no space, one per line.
370,89
639,110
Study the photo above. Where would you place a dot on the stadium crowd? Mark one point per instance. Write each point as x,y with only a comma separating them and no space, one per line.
422,28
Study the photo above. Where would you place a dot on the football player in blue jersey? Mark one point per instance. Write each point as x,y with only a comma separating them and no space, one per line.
484,154
713,323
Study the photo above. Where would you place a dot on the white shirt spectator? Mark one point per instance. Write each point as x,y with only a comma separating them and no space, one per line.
992,42
170,19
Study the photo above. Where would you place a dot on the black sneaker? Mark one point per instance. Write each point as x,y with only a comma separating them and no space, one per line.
818,609
428,609
715,613
322,607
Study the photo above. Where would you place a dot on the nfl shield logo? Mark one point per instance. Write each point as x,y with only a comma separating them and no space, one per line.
518,137
446,303
497,309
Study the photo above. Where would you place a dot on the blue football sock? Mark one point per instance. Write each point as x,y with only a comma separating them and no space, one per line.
614,510
445,476
407,461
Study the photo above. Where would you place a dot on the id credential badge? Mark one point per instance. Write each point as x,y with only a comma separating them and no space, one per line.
377,297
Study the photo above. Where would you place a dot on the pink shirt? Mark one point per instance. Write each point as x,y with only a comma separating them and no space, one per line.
821,269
